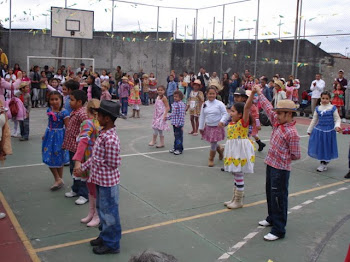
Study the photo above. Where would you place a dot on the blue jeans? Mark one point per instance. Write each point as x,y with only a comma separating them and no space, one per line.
124,101
170,100
231,99
78,186
24,126
146,98
188,91
277,182
179,138
107,204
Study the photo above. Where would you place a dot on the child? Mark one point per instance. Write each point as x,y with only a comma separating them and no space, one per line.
182,85
25,78
305,101
70,86
172,87
338,97
159,124
54,85
211,124
290,89
323,139
194,104
88,133
145,89
134,99
123,92
177,118
77,100
239,155
53,154
104,173
284,147
254,111
105,95
152,88
43,89
280,92
24,96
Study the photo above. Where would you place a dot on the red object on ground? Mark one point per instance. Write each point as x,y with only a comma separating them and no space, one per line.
347,259
11,247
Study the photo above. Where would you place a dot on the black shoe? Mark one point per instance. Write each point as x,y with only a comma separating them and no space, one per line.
96,242
101,250
222,169
347,175
261,145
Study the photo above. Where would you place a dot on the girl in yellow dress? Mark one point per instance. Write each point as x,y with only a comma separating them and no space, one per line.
239,155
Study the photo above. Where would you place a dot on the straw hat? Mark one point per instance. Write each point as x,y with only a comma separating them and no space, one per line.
280,84
197,81
145,76
217,85
285,105
124,78
23,84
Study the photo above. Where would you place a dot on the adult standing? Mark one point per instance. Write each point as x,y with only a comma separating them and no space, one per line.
81,69
267,92
118,75
344,82
317,87
3,58
224,93
203,76
35,85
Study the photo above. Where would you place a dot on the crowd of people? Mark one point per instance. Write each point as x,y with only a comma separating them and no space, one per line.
81,129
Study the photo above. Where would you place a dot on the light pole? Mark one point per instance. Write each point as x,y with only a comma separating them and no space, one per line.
346,53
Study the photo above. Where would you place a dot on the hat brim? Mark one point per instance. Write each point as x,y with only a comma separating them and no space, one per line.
239,94
99,109
285,109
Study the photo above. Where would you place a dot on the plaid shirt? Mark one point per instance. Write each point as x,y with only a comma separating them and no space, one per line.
284,142
75,119
105,159
177,116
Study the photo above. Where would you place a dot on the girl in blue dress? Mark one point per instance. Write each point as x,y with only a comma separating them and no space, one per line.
53,154
322,131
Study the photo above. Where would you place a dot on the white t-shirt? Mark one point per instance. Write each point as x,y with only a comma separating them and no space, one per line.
104,78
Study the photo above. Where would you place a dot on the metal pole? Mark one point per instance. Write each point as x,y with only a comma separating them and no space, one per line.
234,27
194,28
256,39
185,31
279,29
157,36
112,37
295,38
222,39
214,28
10,37
298,46
195,42
175,28
304,27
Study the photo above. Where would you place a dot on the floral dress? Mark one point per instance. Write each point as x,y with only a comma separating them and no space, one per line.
195,101
239,155
134,98
158,116
89,129
52,153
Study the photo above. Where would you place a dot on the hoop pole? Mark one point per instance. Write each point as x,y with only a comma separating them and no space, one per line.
112,38
256,39
195,42
295,38
157,35
298,46
222,39
10,36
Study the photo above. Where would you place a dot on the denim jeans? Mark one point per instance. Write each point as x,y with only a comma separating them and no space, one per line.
124,101
170,100
24,126
188,91
107,204
179,137
277,182
231,99
42,96
78,186
146,98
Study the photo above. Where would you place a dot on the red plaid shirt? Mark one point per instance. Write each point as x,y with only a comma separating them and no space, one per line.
72,131
105,159
284,142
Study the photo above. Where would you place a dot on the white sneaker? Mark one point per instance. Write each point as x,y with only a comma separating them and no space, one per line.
81,200
177,152
264,223
70,194
270,237
172,150
322,168
343,120
2,215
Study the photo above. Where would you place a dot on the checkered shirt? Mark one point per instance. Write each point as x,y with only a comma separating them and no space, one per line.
177,116
284,142
70,138
105,159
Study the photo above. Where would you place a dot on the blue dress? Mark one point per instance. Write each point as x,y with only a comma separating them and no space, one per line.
53,154
323,138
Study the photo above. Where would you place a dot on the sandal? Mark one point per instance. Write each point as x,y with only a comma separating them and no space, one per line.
195,134
56,187
191,133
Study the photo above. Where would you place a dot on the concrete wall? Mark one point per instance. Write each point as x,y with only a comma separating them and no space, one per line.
329,73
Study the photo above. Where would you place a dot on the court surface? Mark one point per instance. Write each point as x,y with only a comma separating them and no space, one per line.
174,204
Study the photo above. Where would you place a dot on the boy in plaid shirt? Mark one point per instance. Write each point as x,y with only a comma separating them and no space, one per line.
177,118
103,165
284,147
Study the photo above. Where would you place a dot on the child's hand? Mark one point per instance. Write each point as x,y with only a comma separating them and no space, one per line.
308,133
221,124
46,83
19,75
77,165
201,131
77,172
338,129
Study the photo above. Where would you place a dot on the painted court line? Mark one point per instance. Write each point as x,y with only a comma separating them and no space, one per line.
126,155
240,244
32,253
174,221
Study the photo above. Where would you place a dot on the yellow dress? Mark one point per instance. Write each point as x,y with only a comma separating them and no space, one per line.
239,155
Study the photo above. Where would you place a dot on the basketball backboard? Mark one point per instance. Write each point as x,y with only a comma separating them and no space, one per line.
72,23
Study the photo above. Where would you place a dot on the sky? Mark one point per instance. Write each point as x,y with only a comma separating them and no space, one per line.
277,18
